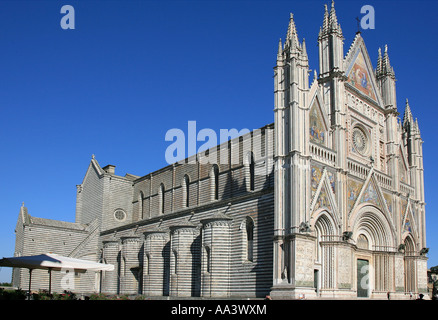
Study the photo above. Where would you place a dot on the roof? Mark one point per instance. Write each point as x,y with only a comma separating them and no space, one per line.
27,219
57,223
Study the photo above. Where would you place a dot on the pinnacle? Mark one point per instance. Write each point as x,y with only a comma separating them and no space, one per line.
330,22
383,65
292,30
280,48
407,117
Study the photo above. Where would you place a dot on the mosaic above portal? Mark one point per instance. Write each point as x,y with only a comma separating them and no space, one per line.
323,201
388,201
353,190
315,178
370,195
331,178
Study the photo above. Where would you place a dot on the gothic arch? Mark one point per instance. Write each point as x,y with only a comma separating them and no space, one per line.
372,222
214,181
409,242
325,221
186,191
249,164
324,230
410,266
161,199
141,205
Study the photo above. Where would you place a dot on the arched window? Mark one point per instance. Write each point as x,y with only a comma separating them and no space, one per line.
146,266
175,259
186,189
161,198
250,171
141,205
208,259
249,239
214,176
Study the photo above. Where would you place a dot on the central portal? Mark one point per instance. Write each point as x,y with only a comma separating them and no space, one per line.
362,278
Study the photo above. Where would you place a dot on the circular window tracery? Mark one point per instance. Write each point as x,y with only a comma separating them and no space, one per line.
119,215
360,141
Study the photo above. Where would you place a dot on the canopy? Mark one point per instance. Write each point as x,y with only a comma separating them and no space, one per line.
52,261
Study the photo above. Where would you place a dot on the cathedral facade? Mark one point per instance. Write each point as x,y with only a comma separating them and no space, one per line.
326,202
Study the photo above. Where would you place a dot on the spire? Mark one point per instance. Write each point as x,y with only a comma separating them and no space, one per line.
330,22
417,127
386,66
407,117
325,23
292,35
280,48
333,20
304,49
379,63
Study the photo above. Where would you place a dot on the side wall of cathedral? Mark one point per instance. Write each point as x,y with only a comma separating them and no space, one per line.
199,228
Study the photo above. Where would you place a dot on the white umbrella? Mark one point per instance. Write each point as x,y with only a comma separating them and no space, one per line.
52,261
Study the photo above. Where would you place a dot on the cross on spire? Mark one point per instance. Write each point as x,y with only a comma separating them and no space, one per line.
358,25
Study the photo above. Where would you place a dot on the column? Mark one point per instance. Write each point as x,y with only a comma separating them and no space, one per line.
216,254
156,263
130,265
184,260
110,278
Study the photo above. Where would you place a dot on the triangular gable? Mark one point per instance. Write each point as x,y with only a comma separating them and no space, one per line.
359,71
323,201
408,222
388,201
93,166
324,196
372,194
318,122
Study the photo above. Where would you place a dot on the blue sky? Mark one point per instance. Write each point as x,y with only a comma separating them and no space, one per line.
131,70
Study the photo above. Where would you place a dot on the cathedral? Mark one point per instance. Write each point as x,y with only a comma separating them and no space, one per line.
326,202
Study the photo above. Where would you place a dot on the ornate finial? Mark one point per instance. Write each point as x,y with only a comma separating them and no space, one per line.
22,204
292,31
92,156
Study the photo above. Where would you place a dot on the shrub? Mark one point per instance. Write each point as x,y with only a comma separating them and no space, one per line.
99,296
12,294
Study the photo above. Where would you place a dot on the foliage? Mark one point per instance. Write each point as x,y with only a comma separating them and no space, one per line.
12,294
44,295
434,269
5,284
99,296
66,295
103,296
